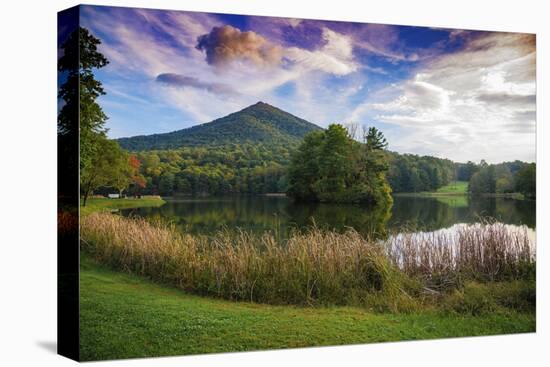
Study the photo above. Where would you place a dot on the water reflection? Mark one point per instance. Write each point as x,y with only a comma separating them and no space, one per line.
451,235
428,213
280,214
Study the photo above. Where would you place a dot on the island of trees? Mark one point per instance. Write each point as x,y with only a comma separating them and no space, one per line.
330,166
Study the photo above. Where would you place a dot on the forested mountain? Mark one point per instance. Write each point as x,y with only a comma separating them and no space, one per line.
259,123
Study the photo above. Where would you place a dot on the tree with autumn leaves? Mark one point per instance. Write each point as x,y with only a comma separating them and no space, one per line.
127,174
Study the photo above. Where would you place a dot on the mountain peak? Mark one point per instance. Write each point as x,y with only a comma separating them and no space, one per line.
258,123
260,104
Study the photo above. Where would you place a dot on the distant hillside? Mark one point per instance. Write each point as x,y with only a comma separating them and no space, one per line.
259,123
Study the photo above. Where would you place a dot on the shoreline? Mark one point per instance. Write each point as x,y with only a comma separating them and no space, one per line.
95,204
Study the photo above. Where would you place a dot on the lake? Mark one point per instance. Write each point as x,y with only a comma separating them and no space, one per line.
280,214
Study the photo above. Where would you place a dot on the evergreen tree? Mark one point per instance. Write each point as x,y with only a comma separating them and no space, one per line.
375,140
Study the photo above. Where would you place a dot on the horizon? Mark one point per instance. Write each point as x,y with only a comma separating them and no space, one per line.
456,94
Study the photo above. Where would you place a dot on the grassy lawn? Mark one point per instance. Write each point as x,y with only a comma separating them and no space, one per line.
97,204
125,316
455,188
454,194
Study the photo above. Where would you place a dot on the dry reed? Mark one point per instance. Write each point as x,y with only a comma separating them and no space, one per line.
486,251
315,267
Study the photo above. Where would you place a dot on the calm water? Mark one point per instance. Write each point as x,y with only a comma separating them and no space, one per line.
260,213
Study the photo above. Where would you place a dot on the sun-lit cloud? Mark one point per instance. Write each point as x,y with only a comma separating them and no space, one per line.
226,44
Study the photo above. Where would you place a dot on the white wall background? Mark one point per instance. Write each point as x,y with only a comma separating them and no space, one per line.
28,182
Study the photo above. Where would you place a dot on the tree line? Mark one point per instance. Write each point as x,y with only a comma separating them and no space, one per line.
228,169
501,178
413,173
260,169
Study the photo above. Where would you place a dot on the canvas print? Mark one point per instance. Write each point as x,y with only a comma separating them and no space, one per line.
235,182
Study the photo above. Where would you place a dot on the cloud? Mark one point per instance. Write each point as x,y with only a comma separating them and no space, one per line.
182,81
507,99
335,57
468,104
145,41
417,101
378,39
529,115
141,44
383,40
225,44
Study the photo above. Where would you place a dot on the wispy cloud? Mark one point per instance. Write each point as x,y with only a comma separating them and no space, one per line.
335,56
182,81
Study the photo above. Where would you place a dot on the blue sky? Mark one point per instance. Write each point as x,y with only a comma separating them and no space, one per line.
463,95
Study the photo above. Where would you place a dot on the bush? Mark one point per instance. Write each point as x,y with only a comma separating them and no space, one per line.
517,295
472,300
477,298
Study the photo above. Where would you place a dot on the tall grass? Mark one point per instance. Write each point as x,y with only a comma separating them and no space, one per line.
314,267
311,267
487,251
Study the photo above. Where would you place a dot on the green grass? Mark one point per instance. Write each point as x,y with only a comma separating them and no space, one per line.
101,204
454,194
455,188
125,316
